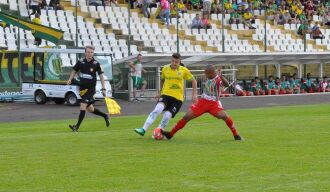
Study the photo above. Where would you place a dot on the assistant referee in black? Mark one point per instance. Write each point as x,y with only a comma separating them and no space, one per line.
87,69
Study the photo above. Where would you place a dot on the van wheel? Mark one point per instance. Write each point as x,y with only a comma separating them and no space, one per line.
59,101
71,99
40,97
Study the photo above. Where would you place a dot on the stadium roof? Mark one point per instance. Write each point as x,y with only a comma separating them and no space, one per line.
198,59
283,58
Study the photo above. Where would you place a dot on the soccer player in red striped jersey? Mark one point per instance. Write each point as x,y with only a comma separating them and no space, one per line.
208,103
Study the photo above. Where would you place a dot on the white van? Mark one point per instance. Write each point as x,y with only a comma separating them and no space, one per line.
57,91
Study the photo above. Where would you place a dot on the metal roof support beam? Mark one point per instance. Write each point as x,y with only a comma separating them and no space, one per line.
278,70
256,73
321,70
300,73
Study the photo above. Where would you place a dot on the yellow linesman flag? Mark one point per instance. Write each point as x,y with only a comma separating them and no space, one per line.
112,106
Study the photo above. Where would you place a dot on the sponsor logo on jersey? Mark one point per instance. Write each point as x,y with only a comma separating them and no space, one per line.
174,86
85,76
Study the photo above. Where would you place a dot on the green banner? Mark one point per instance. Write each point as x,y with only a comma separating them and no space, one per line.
41,31
53,66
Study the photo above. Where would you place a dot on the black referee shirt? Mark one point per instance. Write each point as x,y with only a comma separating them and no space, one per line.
88,72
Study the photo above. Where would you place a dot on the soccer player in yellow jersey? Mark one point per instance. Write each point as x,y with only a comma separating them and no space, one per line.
171,96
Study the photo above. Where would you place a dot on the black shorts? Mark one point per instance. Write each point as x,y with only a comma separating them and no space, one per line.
171,104
87,95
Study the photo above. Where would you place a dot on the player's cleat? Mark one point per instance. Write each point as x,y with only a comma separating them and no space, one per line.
238,138
167,134
107,120
140,131
74,128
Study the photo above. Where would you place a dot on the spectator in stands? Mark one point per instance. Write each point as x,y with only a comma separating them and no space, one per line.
216,7
94,3
327,4
234,4
316,32
206,24
256,4
35,6
326,19
309,8
173,12
300,14
324,85
165,12
43,4
321,10
235,18
206,7
37,21
303,28
138,3
182,7
244,4
55,4
271,7
131,3
114,2
145,8
228,7
287,18
196,22
278,18
248,19
195,4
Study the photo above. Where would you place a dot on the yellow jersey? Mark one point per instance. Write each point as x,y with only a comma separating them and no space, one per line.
228,6
174,81
299,11
247,15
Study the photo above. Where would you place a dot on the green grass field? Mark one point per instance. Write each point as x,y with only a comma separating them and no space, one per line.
286,149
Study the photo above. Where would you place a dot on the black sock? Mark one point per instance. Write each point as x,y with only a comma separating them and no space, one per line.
81,117
99,113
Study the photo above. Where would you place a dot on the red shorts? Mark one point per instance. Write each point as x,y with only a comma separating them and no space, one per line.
206,106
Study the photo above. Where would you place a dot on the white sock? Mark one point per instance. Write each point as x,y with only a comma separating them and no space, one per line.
153,115
166,118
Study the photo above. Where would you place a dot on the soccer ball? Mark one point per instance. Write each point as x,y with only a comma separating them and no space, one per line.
157,134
